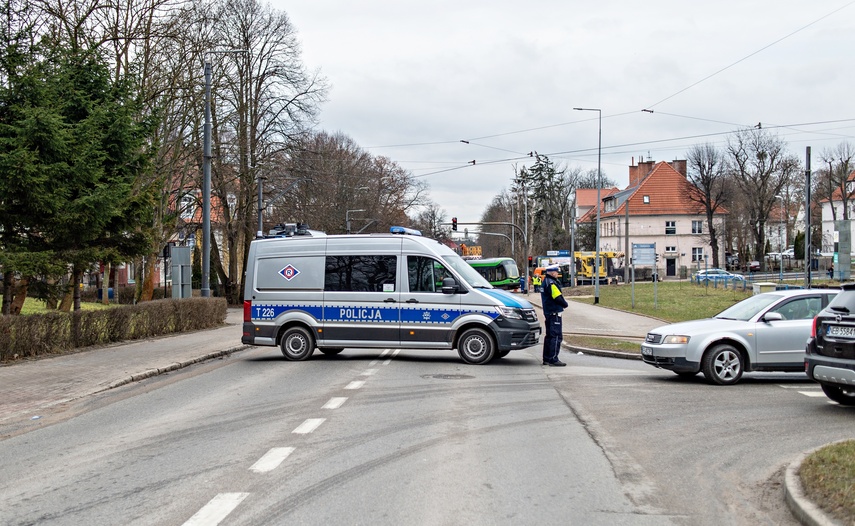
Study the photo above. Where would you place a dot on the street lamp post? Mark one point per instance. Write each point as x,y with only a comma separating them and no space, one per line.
780,242
206,177
599,184
347,217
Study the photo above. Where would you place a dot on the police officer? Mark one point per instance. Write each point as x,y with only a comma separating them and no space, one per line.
553,305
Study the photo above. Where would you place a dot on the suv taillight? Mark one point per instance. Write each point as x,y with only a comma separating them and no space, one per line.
812,326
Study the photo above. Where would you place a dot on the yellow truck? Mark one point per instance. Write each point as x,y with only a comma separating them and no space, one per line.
586,262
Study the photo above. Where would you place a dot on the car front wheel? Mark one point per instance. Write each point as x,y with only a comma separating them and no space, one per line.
723,365
841,395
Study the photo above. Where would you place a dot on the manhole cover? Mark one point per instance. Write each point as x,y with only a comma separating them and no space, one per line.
448,376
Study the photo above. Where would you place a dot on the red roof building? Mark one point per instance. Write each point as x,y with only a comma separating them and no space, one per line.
656,207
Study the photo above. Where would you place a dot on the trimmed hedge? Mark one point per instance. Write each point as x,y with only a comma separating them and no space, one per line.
58,332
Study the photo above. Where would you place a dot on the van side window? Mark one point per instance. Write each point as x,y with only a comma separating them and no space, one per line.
425,274
360,273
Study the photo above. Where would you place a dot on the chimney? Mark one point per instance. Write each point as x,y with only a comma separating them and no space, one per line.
680,166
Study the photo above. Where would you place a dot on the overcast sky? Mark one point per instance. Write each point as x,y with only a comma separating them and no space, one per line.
411,80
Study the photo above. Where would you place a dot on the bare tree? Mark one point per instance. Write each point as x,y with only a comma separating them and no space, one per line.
707,173
762,168
834,178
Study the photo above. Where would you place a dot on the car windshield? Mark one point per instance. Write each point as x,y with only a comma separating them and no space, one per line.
465,271
748,308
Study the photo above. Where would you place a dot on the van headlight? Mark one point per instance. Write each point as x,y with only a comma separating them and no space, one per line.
510,312
674,338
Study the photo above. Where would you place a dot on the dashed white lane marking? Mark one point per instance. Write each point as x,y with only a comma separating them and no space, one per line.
309,425
394,353
368,372
335,403
813,394
216,509
271,459
356,384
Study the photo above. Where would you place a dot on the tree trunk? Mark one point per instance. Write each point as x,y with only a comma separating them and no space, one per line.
7,291
105,284
19,296
149,268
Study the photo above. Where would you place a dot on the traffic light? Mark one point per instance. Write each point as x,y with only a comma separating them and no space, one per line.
530,262
454,224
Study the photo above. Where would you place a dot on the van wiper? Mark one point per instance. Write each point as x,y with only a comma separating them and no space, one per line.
840,308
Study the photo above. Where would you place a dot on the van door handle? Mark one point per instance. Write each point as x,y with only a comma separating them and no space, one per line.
412,300
390,300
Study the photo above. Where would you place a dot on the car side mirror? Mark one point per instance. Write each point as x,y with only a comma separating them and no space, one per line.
773,316
449,285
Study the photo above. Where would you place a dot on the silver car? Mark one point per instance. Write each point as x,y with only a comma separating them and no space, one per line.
766,332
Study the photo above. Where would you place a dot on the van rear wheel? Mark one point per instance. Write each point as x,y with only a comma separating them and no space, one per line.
297,344
476,347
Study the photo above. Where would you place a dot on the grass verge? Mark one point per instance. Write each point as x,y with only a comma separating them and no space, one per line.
671,301
828,478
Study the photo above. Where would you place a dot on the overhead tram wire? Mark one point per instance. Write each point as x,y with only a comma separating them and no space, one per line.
690,86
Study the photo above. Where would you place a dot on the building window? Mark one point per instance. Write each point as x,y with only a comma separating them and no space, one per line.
697,227
670,228
646,199
670,249
188,207
697,253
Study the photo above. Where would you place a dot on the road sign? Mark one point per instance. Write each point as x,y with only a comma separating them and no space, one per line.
644,254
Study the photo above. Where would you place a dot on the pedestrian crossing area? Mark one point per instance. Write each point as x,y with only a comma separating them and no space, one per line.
810,391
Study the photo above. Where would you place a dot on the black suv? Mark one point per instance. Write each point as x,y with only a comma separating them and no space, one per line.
830,352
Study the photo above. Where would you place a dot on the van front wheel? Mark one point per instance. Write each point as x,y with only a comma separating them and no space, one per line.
297,344
476,347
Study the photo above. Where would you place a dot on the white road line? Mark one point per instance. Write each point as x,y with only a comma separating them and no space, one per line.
335,403
799,386
368,372
271,459
394,353
356,384
216,509
309,425
812,394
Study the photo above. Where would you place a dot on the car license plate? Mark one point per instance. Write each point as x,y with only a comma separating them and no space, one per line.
842,331
646,351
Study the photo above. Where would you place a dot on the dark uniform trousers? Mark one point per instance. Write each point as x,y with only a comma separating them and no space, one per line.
553,337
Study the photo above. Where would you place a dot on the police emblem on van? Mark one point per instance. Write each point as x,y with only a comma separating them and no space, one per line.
289,272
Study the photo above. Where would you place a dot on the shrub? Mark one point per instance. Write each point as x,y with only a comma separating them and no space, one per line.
58,332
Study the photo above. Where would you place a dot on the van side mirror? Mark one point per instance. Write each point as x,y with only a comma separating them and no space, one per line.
449,285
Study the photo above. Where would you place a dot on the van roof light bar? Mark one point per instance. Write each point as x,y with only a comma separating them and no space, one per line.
404,231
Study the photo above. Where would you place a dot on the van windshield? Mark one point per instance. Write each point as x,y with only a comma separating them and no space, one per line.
465,271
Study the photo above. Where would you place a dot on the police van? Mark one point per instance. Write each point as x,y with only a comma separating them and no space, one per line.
397,290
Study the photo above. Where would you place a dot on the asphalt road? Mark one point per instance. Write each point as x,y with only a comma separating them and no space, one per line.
399,438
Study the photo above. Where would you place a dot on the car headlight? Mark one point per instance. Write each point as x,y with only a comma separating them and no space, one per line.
510,312
674,338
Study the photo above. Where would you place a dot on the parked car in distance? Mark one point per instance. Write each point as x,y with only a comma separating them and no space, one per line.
761,333
830,350
716,274
753,266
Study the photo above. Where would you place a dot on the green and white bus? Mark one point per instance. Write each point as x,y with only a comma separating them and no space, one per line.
502,273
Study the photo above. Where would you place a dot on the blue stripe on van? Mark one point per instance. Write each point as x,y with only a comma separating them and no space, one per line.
270,312
507,299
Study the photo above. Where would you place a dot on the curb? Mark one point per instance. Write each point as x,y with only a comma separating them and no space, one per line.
803,509
600,352
173,367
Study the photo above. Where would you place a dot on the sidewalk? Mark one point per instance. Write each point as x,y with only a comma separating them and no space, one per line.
30,388
587,319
